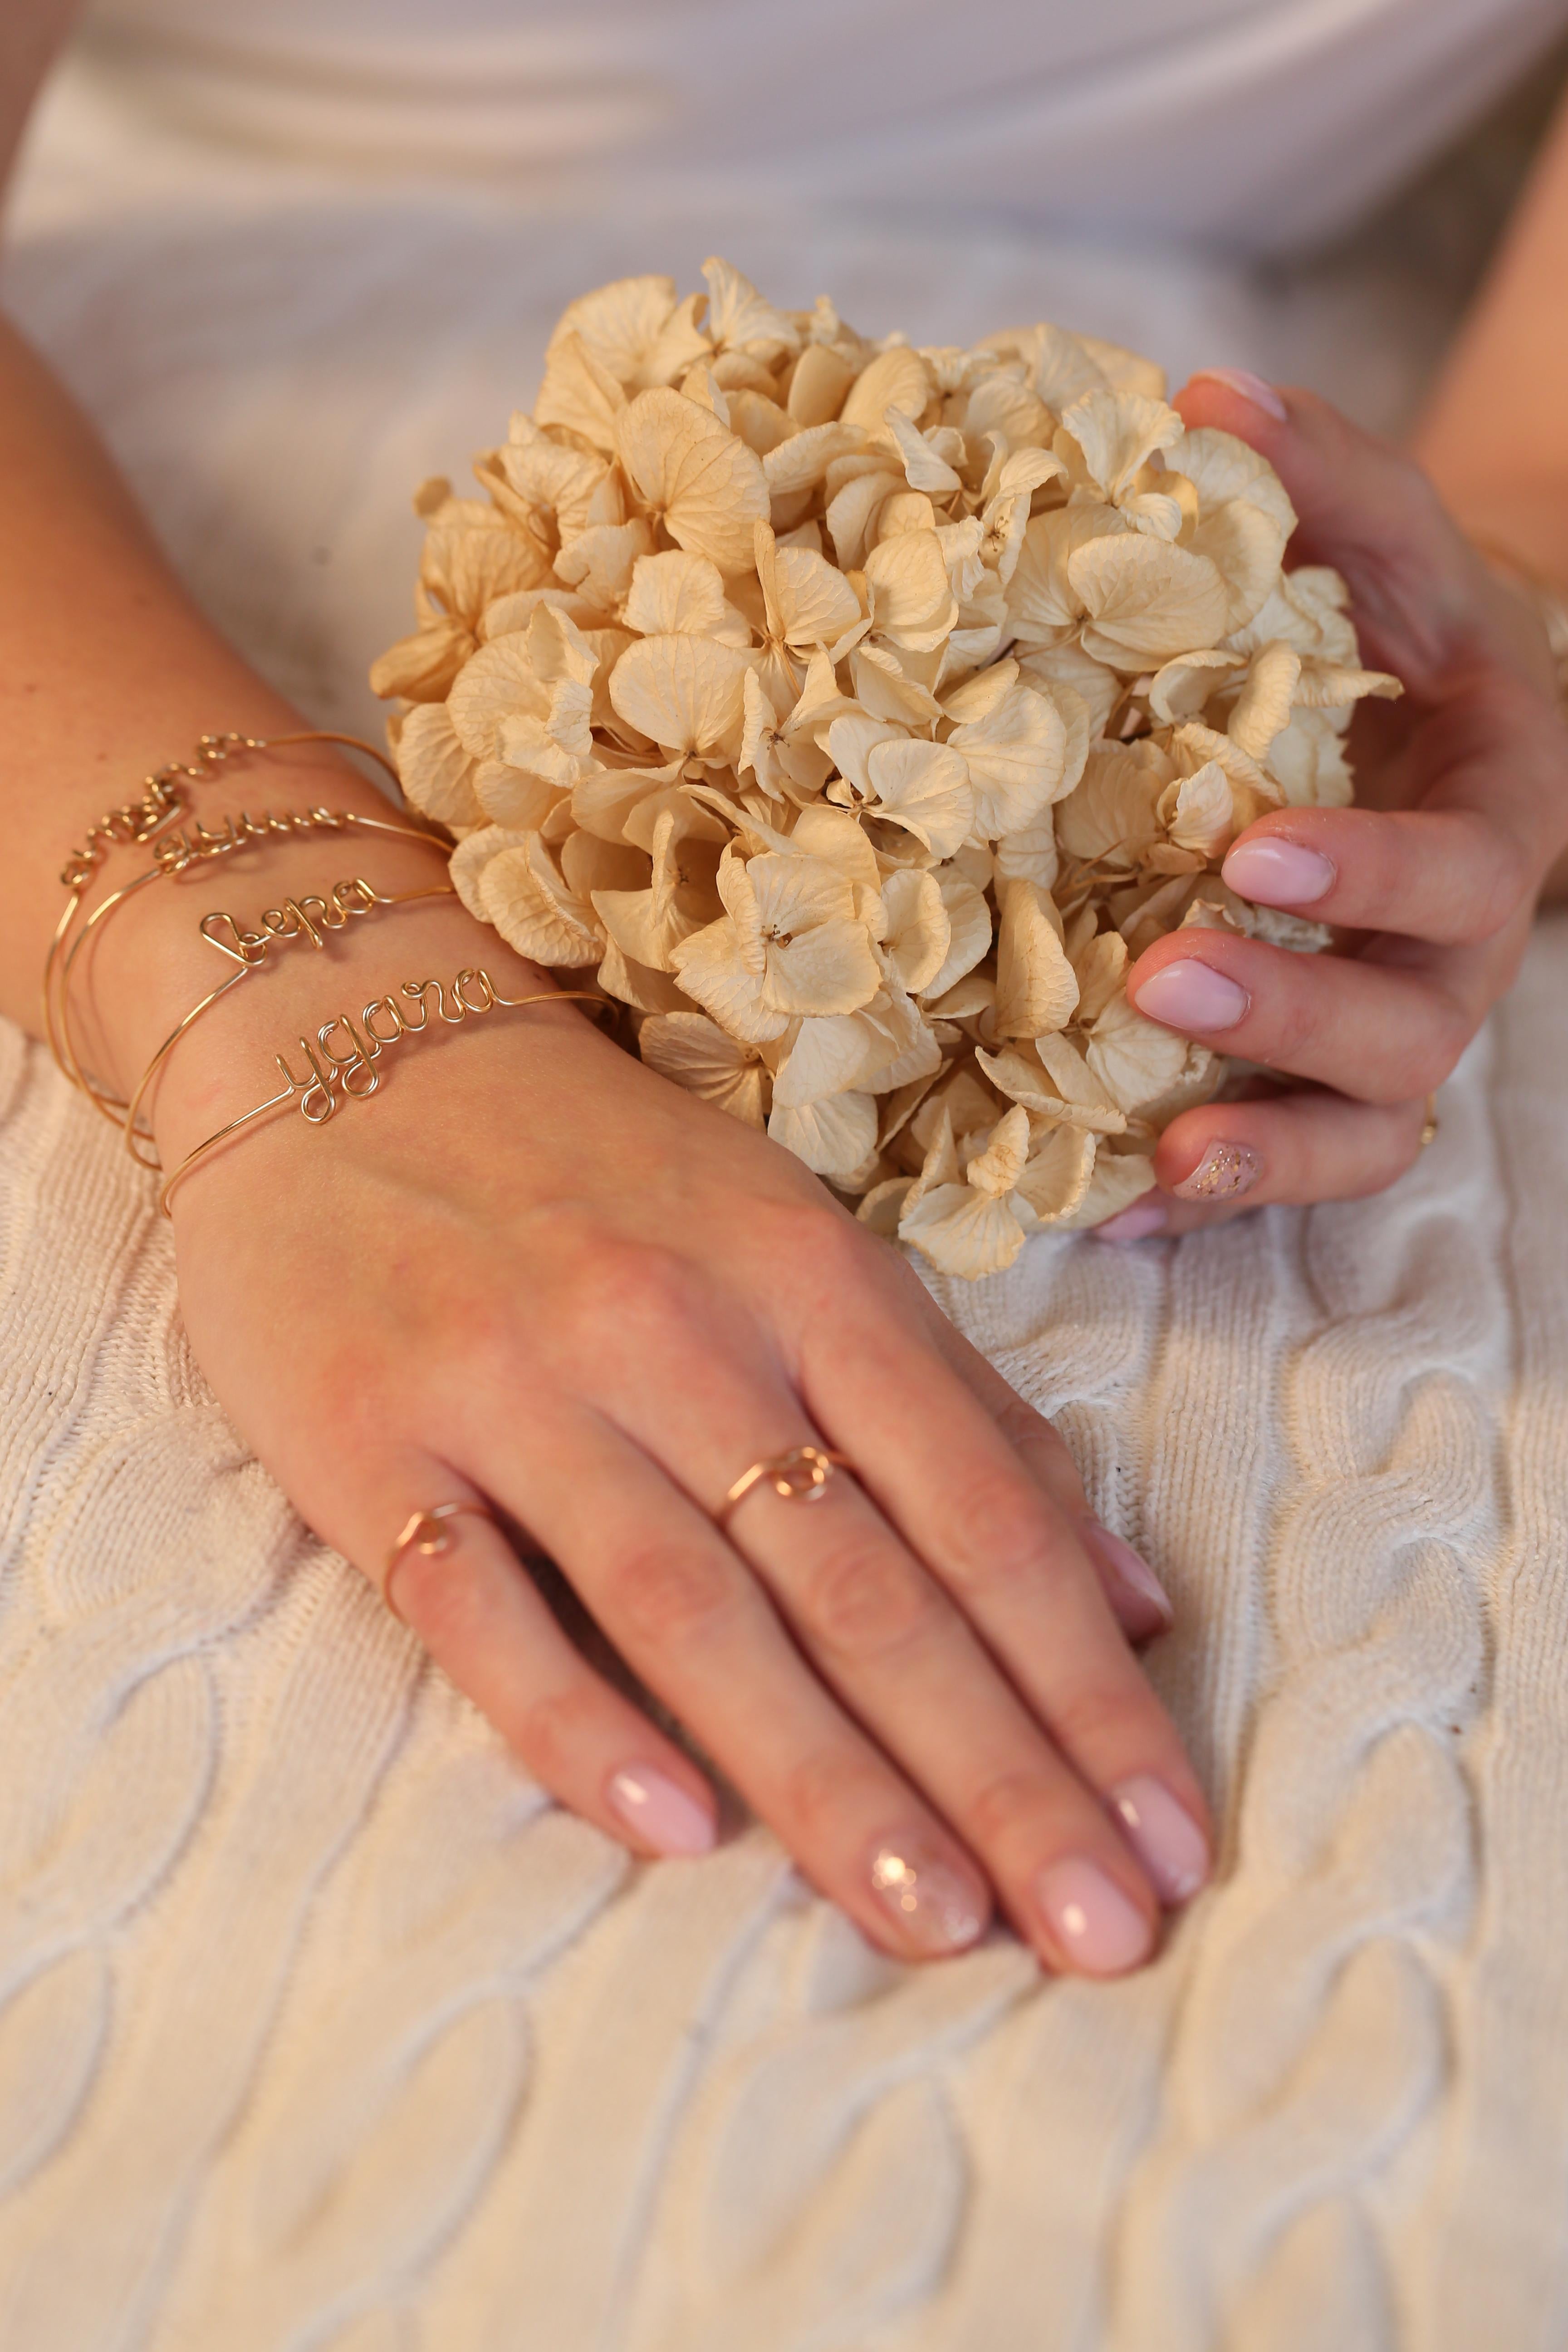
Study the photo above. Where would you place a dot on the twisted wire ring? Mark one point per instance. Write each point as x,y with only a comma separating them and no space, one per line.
801,1475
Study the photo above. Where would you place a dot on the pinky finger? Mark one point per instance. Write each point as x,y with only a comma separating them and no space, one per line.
1218,1161
482,1619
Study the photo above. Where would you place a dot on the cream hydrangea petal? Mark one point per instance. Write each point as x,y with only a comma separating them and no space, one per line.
913,601
919,936
421,667
683,692
895,379
1016,760
1056,1180
1118,433
599,561
923,787
740,320
1110,817
676,594
924,468
1042,601
1139,1063
580,393
514,797
713,972
625,325
998,1167
1144,597
1201,816
829,968
836,1138
1037,988
1117,1181
969,931
520,889
436,771
962,1232
686,469
1018,1075
695,1052
818,385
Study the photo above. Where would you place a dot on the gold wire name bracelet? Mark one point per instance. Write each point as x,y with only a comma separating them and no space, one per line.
311,918
176,856
165,796
348,1068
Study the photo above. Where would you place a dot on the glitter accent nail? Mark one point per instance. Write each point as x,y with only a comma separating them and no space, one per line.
927,1901
1224,1170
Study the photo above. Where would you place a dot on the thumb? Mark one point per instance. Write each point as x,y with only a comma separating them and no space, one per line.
1419,594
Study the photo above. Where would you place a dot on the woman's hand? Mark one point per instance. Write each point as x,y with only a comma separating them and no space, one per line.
1433,880
533,1272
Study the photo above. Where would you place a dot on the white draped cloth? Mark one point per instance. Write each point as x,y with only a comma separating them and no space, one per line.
321,2030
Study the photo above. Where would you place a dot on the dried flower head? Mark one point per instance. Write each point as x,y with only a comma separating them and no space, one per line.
859,713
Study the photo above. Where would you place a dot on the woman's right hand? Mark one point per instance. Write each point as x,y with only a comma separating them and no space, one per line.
532,1271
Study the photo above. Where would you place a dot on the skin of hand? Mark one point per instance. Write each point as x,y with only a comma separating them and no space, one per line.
533,1271
1430,883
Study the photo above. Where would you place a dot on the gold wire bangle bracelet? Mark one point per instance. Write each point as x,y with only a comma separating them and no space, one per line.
241,831
132,1134
322,1085
165,796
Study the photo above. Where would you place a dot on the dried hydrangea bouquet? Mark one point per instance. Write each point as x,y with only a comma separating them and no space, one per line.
858,713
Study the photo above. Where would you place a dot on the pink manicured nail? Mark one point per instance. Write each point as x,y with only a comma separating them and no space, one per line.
660,1812
1190,994
930,1905
1125,1566
1092,1917
1133,1224
1167,1839
1251,387
1224,1173
1276,873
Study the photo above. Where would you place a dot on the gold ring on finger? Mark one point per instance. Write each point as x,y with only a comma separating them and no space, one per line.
1429,1124
801,1475
427,1533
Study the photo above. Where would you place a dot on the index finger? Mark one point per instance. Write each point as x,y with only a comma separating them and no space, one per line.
1452,871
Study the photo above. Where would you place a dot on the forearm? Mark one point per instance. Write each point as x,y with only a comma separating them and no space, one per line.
1494,437
110,672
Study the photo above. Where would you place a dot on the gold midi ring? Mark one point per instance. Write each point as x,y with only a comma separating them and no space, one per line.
1429,1124
427,1532
801,1475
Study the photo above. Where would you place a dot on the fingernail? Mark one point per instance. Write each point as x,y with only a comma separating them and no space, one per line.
1165,1836
1190,994
659,1811
1251,387
1133,1224
1225,1171
1092,1917
1125,1566
1279,873
927,1901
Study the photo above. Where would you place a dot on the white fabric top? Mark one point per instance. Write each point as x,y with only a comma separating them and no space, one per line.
320,2031
1249,122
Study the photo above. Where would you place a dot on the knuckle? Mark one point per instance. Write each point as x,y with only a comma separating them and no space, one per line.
1003,1540
1101,1719
1006,1808
1498,880
826,1789
554,1730
863,1601
662,1592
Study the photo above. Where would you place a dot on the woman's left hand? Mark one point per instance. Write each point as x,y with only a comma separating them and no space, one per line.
1431,880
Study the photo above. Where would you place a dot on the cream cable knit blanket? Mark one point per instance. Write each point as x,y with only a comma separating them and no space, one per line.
322,2032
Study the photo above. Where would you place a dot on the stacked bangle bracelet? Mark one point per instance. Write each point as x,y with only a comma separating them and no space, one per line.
341,1060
